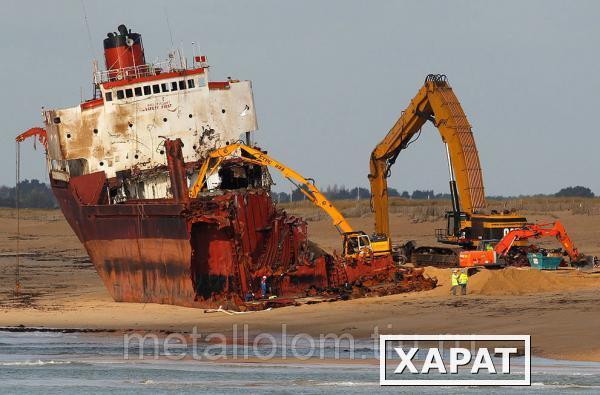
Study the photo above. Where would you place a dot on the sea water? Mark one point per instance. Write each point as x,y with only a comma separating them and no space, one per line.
72,363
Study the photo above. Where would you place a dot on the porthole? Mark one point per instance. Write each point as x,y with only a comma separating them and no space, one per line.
68,135
136,156
95,131
164,119
162,152
130,125
101,163
223,111
190,115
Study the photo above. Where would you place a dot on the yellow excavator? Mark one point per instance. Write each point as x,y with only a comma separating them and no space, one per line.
467,224
355,244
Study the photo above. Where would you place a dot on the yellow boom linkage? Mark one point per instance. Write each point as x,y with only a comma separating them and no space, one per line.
355,243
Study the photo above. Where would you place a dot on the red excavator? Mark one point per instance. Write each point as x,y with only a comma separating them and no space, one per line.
499,254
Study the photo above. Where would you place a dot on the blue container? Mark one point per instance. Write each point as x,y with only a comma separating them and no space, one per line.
541,262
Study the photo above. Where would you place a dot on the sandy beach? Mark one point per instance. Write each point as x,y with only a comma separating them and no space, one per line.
60,289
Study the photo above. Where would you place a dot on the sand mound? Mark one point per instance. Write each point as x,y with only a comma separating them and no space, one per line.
516,281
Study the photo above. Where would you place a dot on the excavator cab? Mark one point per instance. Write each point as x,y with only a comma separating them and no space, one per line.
358,243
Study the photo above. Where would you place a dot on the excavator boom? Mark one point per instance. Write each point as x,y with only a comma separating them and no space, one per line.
555,229
437,103
306,186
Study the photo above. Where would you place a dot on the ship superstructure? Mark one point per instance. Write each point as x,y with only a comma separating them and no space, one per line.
139,106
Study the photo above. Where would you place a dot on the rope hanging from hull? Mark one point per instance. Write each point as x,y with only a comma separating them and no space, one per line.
17,255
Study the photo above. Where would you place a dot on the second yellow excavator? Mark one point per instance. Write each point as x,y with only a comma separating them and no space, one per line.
355,244
467,224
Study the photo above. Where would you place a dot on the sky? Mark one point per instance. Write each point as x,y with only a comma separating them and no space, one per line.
331,77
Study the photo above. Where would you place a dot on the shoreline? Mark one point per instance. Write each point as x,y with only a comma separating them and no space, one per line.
551,343
240,358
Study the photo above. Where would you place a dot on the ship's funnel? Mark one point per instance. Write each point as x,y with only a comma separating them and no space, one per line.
123,49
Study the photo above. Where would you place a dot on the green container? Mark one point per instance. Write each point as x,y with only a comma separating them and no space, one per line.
541,262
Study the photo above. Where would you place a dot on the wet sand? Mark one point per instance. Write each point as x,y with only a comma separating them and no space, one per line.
60,289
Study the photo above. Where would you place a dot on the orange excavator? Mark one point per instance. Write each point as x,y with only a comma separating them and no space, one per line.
500,254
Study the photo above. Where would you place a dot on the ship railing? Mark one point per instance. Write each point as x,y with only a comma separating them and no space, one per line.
142,70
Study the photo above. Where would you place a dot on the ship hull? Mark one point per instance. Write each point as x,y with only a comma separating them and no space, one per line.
209,253
214,250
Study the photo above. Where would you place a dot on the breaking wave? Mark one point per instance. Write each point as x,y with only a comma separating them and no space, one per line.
39,362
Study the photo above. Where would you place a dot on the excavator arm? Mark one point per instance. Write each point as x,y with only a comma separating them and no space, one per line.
565,241
437,103
555,229
306,186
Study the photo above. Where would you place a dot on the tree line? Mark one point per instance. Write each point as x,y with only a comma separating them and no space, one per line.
359,193
32,194
36,194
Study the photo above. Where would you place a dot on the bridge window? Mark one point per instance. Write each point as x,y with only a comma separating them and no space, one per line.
138,91
201,82
190,84
120,94
108,96
128,93
182,84
173,86
156,88
164,87
147,90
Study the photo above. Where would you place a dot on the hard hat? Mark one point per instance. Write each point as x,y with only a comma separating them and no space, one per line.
265,277
454,270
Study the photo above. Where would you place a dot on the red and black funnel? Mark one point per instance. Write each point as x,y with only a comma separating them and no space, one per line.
123,49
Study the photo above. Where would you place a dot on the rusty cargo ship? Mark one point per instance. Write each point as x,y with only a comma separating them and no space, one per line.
120,166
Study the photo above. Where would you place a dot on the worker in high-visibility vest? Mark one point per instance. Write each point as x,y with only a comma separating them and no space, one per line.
454,281
463,279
